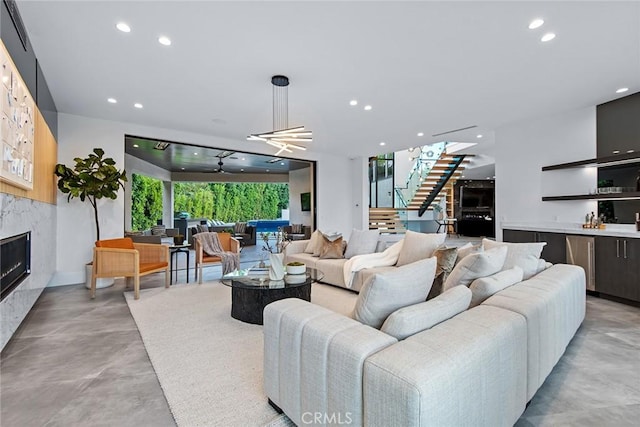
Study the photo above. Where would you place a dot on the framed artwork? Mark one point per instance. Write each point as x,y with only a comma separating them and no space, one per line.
18,128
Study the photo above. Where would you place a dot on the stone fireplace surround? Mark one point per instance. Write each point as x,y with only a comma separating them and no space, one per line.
20,215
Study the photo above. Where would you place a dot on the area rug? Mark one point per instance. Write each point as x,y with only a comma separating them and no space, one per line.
210,365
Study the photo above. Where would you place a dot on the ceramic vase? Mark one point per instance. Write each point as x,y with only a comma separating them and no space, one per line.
276,269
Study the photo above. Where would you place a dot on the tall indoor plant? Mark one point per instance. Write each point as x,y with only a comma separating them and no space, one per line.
91,179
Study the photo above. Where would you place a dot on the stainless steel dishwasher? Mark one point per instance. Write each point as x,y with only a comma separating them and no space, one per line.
581,251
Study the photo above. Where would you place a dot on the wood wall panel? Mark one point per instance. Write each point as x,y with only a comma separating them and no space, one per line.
45,159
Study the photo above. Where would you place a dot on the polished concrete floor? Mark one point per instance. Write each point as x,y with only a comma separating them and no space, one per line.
78,362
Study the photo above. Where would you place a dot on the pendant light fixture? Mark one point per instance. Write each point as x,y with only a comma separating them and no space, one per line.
282,137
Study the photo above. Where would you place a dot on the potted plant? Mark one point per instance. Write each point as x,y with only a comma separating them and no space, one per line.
92,178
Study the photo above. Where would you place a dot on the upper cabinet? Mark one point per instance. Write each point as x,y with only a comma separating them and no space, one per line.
618,126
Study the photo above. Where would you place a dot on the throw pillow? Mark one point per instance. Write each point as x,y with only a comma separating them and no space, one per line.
381,246
446,261
468,249
415,318
321,238
202,228
474,266
484,287
314,243
419,246
385,293
524,255
296,228
158,230
362,242
331,249
240,228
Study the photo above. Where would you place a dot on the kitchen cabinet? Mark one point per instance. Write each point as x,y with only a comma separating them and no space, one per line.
618,267
554,251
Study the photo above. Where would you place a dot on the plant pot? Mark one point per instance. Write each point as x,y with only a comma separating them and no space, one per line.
101,282
296,269
178,240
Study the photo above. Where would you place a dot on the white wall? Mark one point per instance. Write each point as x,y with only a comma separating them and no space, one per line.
360,192
521,151
299,182
78,135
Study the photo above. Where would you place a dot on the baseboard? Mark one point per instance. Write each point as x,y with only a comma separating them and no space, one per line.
64,278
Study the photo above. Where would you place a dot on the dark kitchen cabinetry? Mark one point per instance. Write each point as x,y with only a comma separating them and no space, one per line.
618,267
554,251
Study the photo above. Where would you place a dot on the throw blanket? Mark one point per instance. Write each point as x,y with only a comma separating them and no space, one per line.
211,246
380,259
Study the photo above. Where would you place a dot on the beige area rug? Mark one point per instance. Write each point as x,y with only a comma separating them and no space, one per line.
210,365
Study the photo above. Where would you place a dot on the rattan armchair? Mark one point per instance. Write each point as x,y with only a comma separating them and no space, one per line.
123,258
227,243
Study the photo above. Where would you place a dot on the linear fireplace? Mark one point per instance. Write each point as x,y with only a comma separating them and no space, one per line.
15,262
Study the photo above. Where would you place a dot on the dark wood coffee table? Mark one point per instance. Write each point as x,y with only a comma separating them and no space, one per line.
251,292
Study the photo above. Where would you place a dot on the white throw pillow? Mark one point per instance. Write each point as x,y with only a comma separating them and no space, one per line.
315,243
415,318
468,249
419,246
485,287
524,255
362,242
474,266
384,293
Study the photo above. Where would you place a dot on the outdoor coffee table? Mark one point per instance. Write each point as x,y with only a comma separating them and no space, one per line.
252,290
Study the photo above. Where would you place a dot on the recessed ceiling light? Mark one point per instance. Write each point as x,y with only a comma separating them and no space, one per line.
630,151
461,176
241,170
548,37
383,143
182,168
367,108
622,90
420,133
267,170
616,151
164,40
488,177
137,105
282,163
494,176
353,102
536,23
135,145
123,27
242,158
195,154
479,136
111,100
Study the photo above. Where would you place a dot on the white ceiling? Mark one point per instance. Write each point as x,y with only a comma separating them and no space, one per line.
424,66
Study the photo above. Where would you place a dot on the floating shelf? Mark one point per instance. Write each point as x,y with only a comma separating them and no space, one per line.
634,195
618,159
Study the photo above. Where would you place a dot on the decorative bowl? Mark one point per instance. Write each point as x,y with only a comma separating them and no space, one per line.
296,269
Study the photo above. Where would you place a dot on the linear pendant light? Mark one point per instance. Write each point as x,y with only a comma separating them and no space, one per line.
283,138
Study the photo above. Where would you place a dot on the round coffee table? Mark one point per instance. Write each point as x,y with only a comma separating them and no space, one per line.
252,291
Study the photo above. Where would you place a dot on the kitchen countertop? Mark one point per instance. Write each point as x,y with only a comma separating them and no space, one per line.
612,230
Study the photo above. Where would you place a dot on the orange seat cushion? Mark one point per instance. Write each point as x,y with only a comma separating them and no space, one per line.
207,258
149,266
123,243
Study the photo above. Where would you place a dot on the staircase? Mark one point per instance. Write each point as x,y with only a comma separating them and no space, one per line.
387,220
440,181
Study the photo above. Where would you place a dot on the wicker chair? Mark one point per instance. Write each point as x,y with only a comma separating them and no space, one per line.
227,242
122,257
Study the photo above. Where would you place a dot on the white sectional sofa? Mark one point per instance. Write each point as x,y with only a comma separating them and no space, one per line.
478,368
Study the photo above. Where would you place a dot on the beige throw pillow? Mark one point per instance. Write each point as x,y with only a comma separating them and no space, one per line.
446,261
385,293
524,255
474,266
419,246
415,318
362,242
315,243
485,287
